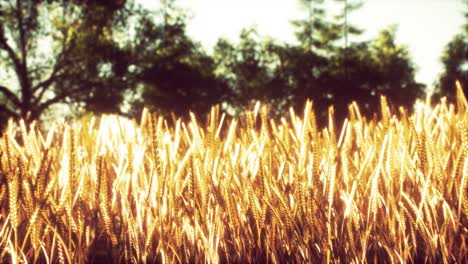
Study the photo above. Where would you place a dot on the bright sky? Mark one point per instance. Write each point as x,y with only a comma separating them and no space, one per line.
425,26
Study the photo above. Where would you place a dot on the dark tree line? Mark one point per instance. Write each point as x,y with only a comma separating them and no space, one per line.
455,61
326,65
117,57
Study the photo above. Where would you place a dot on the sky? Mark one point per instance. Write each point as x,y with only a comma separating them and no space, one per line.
425,26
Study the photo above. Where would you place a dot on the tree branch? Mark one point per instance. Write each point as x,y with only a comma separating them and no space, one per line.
10,95
50,102
11,53
9,112
42,86
22,32
26,89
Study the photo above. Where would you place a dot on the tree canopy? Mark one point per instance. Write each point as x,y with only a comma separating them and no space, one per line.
175,74
118,57
455,62
326,65
61,52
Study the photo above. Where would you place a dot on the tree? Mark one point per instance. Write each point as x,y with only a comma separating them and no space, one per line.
364,71
336,73
322,72
342,19
101,77
58,72
395,70
244,67
316,33
173,72
297,77
455,61
320,67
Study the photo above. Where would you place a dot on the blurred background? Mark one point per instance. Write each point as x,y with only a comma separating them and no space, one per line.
74,58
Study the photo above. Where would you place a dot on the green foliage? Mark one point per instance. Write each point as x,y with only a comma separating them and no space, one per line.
117,57
395,69
319,67
99,80
56,51
315,33
175,74
245,67
351,71
455,61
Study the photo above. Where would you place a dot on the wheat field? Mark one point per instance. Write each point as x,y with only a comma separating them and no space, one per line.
246,189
